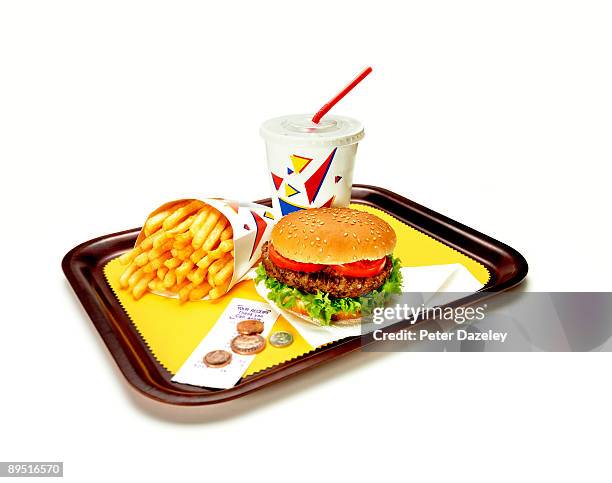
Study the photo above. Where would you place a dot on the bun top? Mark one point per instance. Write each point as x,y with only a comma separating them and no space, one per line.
332,236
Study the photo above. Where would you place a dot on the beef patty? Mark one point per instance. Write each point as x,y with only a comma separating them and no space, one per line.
326,280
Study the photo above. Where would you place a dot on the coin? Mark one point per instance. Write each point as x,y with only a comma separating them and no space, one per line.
250,327
281,339
248,344
218,358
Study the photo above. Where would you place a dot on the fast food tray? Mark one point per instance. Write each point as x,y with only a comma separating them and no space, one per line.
83,266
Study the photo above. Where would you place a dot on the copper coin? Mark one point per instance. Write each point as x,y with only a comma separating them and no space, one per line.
218,358
250,327
281,339
248,344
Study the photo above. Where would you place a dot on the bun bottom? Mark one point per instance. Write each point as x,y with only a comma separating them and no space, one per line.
341,318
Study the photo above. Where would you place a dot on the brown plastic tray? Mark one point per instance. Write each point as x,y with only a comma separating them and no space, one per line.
83,266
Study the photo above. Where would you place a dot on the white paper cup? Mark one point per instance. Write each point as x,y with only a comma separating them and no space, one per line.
311,165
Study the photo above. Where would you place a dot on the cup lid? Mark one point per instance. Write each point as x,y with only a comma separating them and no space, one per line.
299,128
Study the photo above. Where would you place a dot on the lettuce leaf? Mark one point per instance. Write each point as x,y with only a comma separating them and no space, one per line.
322,306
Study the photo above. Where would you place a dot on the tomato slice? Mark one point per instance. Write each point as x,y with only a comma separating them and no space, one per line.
289,264
362,268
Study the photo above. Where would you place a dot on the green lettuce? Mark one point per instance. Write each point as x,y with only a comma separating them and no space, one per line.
321,306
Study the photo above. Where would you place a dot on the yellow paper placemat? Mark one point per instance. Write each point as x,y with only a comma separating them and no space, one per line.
172,331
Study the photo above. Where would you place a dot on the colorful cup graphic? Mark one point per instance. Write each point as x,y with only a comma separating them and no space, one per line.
311,165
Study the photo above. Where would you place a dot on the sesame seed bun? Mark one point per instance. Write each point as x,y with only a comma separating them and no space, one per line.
332,236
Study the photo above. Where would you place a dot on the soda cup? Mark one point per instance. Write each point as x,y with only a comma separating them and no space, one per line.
311,165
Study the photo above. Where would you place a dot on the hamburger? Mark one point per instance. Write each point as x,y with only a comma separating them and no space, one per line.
330,264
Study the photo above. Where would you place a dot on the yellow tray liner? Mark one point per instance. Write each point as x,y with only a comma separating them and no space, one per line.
172,331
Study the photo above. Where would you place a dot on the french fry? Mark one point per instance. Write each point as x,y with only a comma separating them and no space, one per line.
159,261
225,273
170,279
197,276
197,255
156,285
184,292
185,253
183,226
145,245
211,220
128,257
177,287
173,262
155,222
142,259
215,234
148,268
148,242
227,233
141,287
183,240
183,270
137,275
200,218
158,252
180,214
219,264
217,292
161,272
205,262
127,273
199,292
224,247
161,239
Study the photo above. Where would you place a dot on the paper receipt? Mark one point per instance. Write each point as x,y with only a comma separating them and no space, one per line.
196,373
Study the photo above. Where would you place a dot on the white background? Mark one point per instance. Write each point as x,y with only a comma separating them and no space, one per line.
497,114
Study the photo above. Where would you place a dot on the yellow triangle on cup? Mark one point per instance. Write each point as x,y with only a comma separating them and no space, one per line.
299,162
290,190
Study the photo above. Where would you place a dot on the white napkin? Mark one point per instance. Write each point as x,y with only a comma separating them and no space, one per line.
438,284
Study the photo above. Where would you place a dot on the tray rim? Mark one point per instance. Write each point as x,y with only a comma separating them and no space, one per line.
192,396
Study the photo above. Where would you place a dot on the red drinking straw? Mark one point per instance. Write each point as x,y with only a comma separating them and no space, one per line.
325,109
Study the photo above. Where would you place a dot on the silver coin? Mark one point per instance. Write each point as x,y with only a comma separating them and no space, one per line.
281,339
